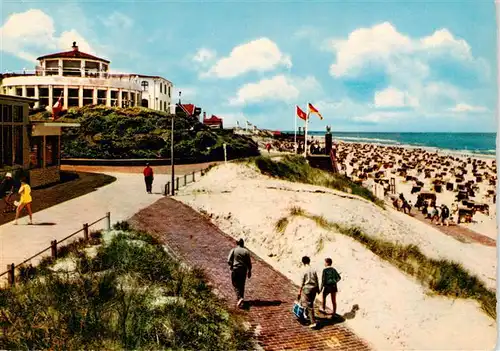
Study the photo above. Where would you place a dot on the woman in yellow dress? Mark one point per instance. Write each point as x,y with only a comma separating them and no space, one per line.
25,191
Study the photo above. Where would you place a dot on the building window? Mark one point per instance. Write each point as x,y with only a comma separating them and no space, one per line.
7,145
51,150
7,113
144,85
169,91
101,97
73,97
36,152
88,96
18,144
18,114
30,92
161,88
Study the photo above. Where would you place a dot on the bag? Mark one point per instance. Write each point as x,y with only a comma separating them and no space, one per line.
299,311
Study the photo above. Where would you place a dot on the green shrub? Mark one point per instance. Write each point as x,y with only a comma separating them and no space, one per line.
119,133
132,295
296,169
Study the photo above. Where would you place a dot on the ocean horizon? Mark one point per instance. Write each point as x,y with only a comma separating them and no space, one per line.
466,143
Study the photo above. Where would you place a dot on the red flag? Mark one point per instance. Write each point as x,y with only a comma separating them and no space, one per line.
56,109
301,114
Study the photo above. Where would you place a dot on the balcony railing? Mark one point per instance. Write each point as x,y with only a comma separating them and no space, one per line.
69,72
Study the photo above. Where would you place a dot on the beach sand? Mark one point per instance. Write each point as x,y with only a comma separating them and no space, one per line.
395,311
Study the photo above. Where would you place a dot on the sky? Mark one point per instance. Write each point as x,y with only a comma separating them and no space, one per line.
367,66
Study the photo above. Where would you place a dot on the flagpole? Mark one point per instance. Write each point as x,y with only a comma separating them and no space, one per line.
295,130
305,132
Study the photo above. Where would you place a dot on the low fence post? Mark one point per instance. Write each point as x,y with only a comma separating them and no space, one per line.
167,189
185,179
177,183
11,274
108,215
193,176
86,231
53,247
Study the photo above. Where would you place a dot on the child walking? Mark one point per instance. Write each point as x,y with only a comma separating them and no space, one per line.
329,281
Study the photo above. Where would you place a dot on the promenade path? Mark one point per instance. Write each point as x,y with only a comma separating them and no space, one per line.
123,198
270,295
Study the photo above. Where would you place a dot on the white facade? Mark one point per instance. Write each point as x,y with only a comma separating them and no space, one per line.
156,92
82,79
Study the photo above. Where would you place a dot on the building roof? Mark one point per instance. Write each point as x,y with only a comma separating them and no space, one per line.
75,53
17,98
146,76
213,119
189,108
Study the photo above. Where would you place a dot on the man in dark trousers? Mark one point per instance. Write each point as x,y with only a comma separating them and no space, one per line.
241,268
148,178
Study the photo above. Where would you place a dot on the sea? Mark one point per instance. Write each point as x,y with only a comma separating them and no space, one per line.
462,143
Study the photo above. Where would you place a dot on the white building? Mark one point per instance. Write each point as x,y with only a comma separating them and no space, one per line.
156,92
83,79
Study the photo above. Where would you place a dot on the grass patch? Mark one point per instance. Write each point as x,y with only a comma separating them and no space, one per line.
296,169
443,277
281,225
131,295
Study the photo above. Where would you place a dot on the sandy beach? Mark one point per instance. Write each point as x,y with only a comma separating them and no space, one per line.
395,311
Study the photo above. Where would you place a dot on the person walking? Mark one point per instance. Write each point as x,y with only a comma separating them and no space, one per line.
329,280
309,289
445,213
241,267
25,202
6,191
148,178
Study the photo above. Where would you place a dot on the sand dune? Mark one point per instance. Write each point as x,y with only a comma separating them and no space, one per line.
396,312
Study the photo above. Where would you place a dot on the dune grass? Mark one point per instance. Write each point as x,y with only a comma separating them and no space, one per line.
443,277
130,295
296,169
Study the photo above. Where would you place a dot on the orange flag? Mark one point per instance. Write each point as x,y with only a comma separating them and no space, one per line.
313,109
301,114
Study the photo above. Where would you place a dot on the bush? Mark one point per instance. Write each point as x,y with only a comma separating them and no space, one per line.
296,169
132,295
120,133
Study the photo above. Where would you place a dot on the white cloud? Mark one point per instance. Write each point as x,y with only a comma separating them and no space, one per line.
276,88
392,97
31,34
383,44
279,87
66,39
118,20
204,55
461,107
231,119
379,117
257,55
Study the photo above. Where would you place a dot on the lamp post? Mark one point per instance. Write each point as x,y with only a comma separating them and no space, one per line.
172,149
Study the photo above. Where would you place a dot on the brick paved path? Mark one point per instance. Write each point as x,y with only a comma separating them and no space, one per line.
270,294
460,233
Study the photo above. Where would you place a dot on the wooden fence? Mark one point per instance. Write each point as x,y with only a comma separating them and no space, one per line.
186,179
53,247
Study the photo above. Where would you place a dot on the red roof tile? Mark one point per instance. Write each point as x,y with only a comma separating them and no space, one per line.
213,119
72,54
189,108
